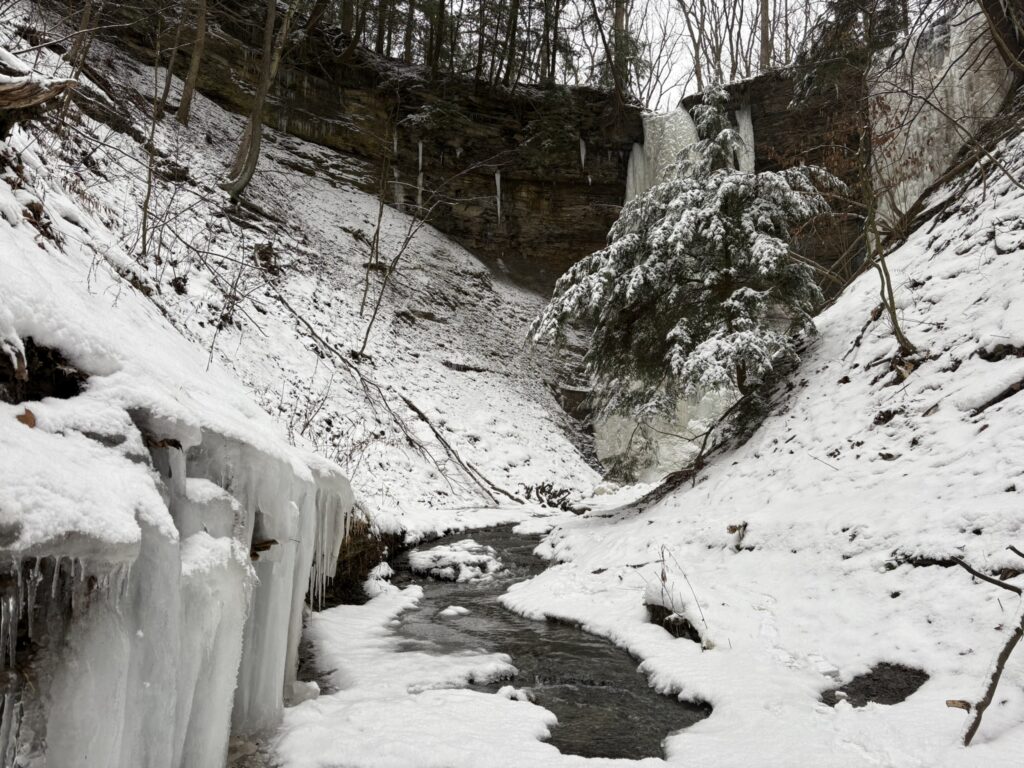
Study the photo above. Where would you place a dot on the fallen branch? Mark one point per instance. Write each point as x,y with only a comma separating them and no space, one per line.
978,710
482,482
990,579
975,722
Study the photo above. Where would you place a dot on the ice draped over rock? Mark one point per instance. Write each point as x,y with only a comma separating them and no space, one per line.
949,83
191,639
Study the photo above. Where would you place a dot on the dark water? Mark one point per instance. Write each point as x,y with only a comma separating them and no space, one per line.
604,707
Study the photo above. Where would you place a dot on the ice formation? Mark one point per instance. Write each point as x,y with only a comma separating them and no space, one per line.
665,137
419,174
497,192
583,153
951,84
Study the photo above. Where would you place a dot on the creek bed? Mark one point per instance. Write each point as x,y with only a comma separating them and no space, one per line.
605,708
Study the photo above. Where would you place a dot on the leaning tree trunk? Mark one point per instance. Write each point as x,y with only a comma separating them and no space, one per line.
185,107
249,147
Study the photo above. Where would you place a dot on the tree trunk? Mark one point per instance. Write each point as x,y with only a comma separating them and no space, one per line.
511,36
348,17
249,147
382,19
79,46
410,19
169,74
765,59
185,107
619,41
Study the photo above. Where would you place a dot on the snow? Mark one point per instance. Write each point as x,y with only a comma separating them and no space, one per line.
461,561
837,505
453,610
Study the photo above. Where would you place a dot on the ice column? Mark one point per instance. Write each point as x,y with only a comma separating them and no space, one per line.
419,177
497,191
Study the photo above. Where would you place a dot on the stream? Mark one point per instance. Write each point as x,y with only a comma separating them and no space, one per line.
605,708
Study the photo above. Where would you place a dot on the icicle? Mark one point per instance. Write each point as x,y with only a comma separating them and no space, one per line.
419,148
56,578
497,191
8,726
394,143
590,181
33,582
583,153
458,152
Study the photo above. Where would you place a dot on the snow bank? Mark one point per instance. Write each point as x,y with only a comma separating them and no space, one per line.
400,704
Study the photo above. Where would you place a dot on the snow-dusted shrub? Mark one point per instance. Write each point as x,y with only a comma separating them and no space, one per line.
697,290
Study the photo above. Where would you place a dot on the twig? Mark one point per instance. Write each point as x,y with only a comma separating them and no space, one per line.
991,580
474,476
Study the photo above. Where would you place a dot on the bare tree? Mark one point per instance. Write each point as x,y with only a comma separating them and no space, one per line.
189,89
248,154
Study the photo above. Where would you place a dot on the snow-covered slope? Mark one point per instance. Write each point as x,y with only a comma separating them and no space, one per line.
449,337
816,551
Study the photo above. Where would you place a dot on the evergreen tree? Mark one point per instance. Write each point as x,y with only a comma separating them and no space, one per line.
697,290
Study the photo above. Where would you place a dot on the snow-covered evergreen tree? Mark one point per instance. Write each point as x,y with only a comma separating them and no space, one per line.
697,290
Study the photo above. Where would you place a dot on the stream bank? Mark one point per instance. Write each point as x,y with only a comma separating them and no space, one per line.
605,708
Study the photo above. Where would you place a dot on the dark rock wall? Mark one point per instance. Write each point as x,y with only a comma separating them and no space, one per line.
555,207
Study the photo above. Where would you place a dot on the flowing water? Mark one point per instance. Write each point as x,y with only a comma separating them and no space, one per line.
604,706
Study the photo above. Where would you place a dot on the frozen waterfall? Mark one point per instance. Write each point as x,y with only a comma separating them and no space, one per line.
666,136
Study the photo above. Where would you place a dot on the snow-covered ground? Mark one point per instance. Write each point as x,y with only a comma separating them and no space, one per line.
222,344
803,559
449,335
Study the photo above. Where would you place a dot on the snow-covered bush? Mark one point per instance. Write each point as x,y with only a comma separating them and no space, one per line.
697,290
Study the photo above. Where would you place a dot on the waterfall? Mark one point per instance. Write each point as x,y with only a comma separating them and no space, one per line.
665,137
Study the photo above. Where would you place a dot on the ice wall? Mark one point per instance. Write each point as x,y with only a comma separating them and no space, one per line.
928,101
153,658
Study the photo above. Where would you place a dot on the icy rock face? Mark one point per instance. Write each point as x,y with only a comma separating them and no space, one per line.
957,84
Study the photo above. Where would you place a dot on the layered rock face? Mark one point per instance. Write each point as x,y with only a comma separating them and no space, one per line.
529,180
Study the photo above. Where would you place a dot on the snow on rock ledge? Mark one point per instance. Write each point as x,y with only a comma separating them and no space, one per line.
159,535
